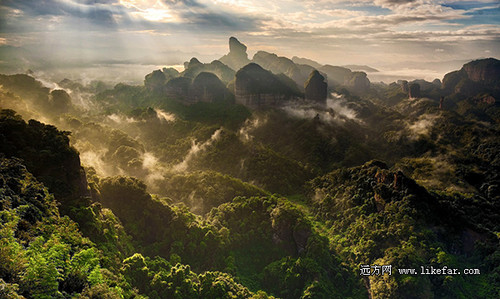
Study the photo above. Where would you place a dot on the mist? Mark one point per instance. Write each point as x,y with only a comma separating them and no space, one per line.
423,125
195,149
336,110
147,156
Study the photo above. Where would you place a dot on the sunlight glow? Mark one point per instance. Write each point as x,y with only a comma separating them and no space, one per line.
155,11
156,15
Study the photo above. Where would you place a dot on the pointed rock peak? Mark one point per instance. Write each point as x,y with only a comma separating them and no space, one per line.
316,76
236,46
237,56
316,87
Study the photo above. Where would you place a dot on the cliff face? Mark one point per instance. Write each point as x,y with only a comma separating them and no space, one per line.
414,90
237,56
207,87
155,80
358,82
261,100
256,87
199,82
404,86
476,76
178,88
486,71
316,88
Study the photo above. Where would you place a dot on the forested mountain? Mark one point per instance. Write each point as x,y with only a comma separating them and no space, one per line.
177,189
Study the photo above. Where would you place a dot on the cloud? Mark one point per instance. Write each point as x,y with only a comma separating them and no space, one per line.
190,15
100,12
92,31
194,150
393,4
191,3
422,125
335,112
164,116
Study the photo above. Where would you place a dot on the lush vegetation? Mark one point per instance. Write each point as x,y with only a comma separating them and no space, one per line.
132,192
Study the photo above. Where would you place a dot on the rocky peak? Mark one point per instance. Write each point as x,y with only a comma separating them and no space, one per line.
474,77
192,63
237,56
483,70
414,90
207,87
359,82
155,80
437,82
316,87
404,85
237,48
256,87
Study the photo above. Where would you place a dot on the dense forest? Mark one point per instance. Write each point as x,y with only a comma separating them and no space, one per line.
260,178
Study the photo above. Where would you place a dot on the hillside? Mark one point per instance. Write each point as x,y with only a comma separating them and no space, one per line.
181,188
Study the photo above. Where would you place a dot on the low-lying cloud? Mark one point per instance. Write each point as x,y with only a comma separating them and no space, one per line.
194,150
335,112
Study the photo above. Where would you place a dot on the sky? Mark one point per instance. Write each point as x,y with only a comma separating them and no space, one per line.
420,38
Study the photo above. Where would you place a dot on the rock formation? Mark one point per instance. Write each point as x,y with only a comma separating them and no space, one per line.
207,87
354,81
475,76
316,88
359,82
194,67
336,75
436,82
256,87
194,62
277,65
414,90
178,88
237,56
155,81
170,72
404,86
486,71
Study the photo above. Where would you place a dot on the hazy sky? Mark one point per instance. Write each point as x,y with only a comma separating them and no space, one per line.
391,34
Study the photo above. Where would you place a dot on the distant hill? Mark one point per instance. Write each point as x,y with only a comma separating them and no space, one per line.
185,192
299,60
364,68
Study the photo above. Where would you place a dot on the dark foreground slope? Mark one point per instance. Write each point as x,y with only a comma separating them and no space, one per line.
44,255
